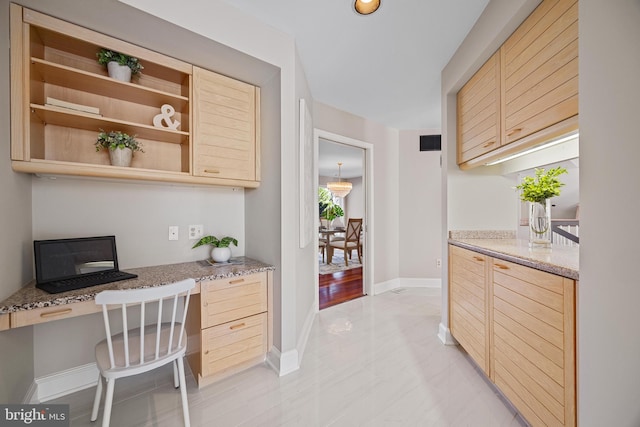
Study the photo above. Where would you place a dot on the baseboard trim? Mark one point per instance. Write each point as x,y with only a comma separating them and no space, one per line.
445,336
31,397
283,363
61,383
389,285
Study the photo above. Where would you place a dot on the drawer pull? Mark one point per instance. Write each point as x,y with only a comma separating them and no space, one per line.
488,144
501,266
238,326
212,171
477,258
516,130
56,313
235,282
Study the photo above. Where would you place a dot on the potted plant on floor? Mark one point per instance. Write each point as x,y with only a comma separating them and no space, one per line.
120,145
221,251
538,191
119,66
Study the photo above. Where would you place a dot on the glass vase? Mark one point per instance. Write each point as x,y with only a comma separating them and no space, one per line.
540,224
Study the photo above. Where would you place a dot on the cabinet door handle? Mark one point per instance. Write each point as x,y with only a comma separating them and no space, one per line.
235,282
488,144
238,326
501,266
512,131
56,313
212,171
477,258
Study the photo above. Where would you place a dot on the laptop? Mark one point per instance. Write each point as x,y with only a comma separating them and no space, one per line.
67,264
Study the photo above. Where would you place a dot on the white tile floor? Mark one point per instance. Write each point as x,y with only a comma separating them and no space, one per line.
373,361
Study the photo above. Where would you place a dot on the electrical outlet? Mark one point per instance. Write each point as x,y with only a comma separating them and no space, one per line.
195,231
438,263
173,232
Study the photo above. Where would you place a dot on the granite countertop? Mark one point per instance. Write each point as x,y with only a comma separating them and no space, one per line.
560,260
30,297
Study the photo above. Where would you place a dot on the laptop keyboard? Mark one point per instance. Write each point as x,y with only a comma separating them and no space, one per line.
85,281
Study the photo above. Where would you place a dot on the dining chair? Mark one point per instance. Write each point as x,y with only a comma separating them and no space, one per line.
350,243
322,246
139,350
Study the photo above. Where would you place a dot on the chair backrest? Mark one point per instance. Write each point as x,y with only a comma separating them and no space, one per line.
354,228
168,337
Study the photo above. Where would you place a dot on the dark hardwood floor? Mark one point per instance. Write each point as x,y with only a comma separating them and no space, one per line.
336,288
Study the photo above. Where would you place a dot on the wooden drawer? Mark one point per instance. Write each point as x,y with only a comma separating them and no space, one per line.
226,300
47,314
232,344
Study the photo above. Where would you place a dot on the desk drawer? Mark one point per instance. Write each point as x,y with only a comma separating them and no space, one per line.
47,314
230,299
231,344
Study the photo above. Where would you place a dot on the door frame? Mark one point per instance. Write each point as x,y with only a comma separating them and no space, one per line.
367,271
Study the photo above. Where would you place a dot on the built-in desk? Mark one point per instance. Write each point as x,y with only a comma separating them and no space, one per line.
30,305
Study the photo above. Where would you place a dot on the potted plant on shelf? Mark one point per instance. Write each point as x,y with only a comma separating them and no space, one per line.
221,251
120,66
120,145
538,191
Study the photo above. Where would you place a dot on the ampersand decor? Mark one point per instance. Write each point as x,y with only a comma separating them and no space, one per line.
166,112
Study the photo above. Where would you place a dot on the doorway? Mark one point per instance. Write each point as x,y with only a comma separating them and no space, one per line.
343,278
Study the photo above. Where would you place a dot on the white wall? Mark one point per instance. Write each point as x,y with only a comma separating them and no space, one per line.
354,202
386,181
420,207
608,293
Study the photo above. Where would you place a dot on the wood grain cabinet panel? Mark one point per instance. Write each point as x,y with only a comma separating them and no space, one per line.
522,334
468,310
228,326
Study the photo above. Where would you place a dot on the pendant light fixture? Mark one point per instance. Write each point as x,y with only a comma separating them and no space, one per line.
366,7
339,188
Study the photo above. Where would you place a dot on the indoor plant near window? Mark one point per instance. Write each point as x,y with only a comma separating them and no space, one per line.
328,209
120,145
119,65
221,251
538,191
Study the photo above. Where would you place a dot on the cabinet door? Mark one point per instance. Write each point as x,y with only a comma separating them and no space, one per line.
224,127
533,335
479,112
540,70
468,300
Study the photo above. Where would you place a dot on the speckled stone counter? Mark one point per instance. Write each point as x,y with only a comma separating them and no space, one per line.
30,297
560,260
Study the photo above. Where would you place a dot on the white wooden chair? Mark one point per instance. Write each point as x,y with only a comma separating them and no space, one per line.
139,350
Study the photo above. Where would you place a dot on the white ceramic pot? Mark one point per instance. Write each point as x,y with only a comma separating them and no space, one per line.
220,254
119,72
121,156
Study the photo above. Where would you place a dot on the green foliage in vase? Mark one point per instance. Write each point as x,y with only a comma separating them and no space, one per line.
105,56
215,242
328,209
543,186
116,139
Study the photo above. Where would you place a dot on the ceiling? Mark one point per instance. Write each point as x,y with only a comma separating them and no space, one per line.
384,67
330,153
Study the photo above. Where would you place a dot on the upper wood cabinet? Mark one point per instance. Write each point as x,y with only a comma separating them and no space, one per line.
54,60
537,88
224,127
479,112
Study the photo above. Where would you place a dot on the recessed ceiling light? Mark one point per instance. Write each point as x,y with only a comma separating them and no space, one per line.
366,7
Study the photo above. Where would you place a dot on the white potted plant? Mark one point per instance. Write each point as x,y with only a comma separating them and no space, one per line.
120,145
119,66
220,251
538,191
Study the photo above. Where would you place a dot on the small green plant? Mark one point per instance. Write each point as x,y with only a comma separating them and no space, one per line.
105,56
328,209
543,186
116,139
215,242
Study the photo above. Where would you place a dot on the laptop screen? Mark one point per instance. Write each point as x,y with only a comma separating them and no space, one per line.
66,258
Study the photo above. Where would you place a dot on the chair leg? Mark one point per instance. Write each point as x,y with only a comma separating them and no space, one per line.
183,392
176,379
346,258
96,400
108,401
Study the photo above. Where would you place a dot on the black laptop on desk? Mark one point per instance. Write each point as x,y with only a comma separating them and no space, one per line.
68,264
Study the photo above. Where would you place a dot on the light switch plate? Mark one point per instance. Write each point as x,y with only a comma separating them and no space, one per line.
173,232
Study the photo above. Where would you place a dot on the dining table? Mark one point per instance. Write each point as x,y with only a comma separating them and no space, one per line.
326,235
